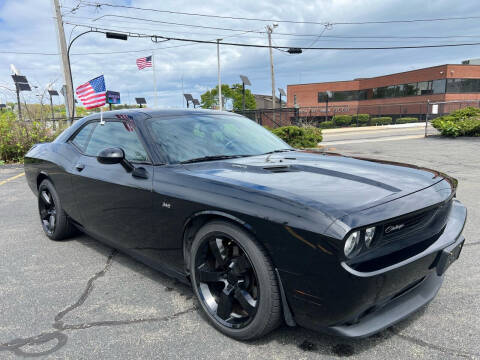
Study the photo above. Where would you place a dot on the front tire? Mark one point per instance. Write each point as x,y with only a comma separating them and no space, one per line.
55,222
234,281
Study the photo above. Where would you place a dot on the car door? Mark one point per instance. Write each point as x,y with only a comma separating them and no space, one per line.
115,205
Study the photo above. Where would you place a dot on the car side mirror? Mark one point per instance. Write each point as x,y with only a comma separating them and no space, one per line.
114,156
111,156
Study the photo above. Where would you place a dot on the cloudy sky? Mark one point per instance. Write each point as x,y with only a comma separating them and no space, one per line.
28,26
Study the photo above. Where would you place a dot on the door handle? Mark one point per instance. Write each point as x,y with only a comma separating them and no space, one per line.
80,167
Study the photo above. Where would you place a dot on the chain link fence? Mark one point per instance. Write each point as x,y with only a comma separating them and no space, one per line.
421,111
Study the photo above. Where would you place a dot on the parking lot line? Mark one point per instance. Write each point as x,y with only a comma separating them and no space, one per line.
12,178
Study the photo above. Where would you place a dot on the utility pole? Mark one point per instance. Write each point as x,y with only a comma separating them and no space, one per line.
67,74
220,101
53,112
18,102
269,32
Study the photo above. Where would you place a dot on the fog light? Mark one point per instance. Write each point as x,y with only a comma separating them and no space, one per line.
369,234
352,244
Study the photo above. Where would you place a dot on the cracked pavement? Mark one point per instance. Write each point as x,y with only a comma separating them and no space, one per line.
79,299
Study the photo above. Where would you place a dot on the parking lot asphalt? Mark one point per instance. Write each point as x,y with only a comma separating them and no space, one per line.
79,299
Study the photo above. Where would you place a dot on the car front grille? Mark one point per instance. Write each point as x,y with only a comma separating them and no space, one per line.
401,238
423,224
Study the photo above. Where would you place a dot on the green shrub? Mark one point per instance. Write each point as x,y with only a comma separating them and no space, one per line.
363,119
406,120
17,137
299,137
385,120
463,122
465,113
326,125
342,120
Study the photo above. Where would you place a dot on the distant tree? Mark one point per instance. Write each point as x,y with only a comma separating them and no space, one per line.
209,99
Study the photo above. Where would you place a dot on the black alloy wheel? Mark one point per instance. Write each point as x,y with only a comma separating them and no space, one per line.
234,281
226,281
48,211
55,222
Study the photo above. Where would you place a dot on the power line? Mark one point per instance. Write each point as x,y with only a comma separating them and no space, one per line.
27,53
304,48
99,5
277,33
173,23
198,41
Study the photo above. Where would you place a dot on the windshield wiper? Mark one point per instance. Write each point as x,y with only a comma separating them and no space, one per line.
278,151
212,158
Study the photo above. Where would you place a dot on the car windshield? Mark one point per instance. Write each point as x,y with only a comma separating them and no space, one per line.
188,138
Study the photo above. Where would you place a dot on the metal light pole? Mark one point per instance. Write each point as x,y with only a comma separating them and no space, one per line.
328,94
245,81
282,93
220,101
18,103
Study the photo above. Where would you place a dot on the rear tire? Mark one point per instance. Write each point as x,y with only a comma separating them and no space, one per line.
234,281
55,222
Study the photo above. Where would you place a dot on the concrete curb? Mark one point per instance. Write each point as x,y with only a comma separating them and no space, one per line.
373,128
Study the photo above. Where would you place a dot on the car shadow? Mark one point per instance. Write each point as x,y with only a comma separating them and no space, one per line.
303,339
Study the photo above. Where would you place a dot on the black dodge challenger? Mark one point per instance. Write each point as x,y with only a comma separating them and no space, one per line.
263,232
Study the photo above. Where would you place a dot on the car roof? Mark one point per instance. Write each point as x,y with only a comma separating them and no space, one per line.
160,112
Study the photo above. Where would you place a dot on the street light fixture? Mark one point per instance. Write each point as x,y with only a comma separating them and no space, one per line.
21,84
141,101
109,35
189,98
245,81
52,92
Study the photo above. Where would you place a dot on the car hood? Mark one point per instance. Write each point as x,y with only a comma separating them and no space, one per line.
329,182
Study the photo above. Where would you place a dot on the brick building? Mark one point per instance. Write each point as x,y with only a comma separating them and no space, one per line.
396,95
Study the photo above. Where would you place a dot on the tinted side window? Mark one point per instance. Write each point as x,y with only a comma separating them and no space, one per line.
116,134
83,136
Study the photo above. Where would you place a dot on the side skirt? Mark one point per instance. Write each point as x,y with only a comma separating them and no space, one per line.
167,270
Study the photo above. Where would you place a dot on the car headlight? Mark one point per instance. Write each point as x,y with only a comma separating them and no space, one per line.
352,244
369,235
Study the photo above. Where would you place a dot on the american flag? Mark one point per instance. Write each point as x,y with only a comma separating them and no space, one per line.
92,93
144,62
127,121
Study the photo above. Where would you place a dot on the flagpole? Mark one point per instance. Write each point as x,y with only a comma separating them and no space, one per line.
101,116
154,79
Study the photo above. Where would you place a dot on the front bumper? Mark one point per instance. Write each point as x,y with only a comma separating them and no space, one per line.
361,304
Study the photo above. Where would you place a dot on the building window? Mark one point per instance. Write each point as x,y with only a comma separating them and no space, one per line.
294,99
348,95
410,89
439,86
463,85
424,88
